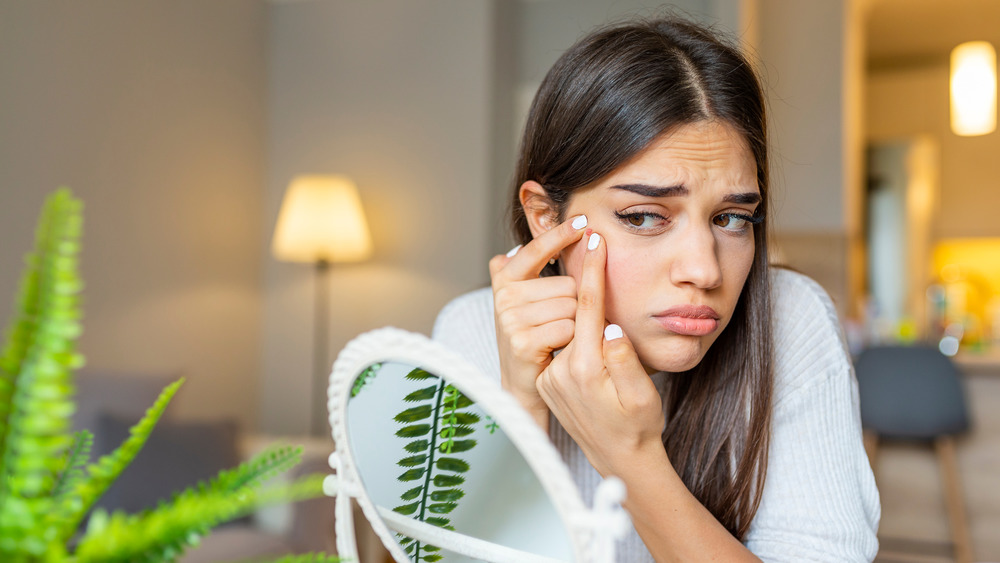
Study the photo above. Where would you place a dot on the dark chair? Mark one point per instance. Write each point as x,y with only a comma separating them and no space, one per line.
915,393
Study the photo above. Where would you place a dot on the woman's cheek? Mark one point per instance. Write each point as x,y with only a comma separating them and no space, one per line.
622,284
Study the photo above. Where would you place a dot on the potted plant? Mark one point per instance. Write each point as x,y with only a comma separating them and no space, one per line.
48,483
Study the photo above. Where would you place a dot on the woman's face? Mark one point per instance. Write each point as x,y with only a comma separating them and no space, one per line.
679,239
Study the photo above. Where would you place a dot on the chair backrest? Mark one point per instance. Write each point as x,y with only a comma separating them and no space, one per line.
910,392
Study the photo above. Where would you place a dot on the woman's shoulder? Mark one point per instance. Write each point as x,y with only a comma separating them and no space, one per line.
466,326
808,340
469,308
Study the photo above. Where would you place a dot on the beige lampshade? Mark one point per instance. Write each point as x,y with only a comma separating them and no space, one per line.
974,88
321,219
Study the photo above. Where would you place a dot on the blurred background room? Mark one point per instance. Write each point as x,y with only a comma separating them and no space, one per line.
182,124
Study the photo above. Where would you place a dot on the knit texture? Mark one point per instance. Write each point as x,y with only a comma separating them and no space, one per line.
819,501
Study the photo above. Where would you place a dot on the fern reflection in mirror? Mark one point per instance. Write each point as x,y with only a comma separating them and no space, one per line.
426,452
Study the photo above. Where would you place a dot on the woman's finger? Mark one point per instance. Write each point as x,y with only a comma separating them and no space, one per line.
536,314
635,389
526,262
534,291
589,336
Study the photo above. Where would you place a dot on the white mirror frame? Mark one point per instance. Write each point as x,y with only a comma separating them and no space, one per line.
592,533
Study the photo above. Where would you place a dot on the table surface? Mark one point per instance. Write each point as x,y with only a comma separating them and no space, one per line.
989,360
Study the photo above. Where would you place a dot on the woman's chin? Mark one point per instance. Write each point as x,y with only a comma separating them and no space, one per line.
671,359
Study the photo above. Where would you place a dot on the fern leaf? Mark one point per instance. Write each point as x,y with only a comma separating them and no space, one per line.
365,378
413,431
442,508
164,533
411,493
416,446
424,394
452,464
448,480
35,384
272,461
103,472
416,413
75,458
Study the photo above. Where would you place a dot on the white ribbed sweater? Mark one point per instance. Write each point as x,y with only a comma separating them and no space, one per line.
819,501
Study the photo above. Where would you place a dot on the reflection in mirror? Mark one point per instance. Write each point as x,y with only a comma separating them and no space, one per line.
432,461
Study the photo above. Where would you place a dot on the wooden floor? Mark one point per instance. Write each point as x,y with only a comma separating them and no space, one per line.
914,514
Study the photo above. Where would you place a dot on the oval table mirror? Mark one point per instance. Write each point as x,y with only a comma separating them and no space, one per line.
447,467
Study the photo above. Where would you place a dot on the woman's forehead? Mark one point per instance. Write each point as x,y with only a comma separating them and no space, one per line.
691,154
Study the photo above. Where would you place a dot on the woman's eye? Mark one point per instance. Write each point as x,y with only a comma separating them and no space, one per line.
640,220
733,221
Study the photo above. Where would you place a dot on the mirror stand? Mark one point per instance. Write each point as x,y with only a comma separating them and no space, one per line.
516,473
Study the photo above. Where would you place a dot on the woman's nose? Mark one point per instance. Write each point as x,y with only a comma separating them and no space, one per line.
696,260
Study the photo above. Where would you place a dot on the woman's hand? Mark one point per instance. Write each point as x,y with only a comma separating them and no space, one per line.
597,387
534,316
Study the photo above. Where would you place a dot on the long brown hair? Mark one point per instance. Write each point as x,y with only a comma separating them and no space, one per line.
605,100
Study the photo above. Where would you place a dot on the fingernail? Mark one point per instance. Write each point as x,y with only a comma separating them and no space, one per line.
612,332
580,222
513,251
595,239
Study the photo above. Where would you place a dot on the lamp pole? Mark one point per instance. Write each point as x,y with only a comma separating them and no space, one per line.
321,221
321,367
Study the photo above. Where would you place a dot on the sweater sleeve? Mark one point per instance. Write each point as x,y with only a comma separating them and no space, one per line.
466,326
819,500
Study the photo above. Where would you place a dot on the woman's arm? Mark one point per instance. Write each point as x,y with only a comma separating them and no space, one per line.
672,523
602,396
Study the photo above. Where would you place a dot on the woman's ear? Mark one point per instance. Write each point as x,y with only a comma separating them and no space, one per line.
538,208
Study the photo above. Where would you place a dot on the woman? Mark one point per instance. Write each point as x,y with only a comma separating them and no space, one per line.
639,324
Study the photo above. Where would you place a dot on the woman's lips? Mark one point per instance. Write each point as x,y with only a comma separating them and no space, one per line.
689,320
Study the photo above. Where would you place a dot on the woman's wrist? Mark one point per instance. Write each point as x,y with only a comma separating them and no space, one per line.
533,405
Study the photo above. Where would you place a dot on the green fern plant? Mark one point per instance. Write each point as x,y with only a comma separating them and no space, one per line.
48,484
440,424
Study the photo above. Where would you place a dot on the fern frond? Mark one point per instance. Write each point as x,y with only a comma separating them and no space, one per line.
441,412
268,463
103,472
366,376
35,385
75,458
163,533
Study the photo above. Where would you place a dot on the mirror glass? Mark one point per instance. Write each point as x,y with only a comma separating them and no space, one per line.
424,451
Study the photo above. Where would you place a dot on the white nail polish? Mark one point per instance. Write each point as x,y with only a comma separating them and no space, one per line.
595,239
612,332
513,251
580,222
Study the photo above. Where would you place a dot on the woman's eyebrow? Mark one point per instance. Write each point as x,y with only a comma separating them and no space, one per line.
652,191
748,197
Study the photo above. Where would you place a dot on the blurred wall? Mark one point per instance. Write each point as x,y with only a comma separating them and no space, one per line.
153,113
395,94
812,60
899,103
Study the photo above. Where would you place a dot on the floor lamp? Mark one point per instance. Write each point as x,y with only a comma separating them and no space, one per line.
321,222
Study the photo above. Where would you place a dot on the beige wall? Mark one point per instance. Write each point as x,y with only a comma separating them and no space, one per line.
913,101
811,55
395,94
153,113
